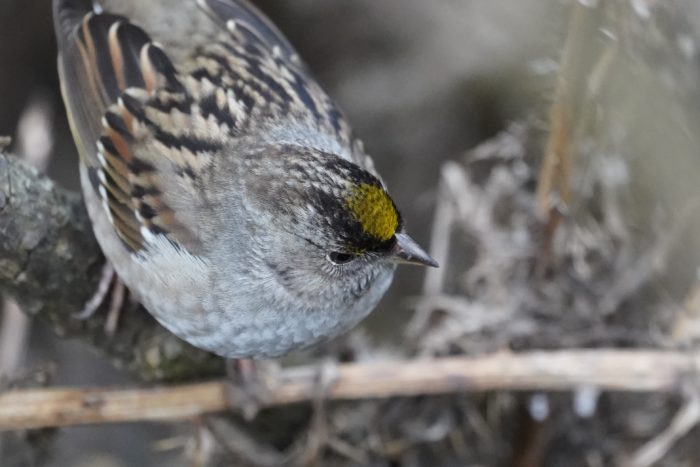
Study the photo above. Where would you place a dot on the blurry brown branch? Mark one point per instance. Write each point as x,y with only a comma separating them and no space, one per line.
607,369
555,173
50,261
580,70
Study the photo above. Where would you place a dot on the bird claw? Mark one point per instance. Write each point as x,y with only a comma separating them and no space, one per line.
108,281
100,294
115,307
249,385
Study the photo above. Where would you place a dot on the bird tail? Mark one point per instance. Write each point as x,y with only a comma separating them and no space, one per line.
67,15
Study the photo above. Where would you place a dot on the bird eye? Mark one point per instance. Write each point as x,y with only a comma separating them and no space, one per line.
339,258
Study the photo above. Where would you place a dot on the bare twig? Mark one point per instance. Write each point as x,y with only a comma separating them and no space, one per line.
35,138
14,332
687,324
241,445
685,420
439,248
566,123
618,370
554,174
653,263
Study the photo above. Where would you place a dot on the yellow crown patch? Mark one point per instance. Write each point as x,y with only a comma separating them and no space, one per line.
374,210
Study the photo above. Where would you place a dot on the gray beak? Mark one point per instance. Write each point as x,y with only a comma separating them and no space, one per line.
406,251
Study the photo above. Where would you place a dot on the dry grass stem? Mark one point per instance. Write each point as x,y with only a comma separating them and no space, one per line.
617,370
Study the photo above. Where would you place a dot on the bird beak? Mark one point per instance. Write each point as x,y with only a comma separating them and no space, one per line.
406,251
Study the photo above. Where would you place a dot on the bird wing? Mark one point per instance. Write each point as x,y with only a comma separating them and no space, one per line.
148,128
266,74
117,85
250,26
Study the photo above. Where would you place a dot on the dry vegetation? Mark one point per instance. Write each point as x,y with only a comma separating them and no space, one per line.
576,228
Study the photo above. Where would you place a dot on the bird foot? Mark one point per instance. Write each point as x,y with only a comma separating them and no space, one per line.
249,384
109,281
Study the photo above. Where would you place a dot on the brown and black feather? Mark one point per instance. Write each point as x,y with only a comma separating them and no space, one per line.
110,68
138,116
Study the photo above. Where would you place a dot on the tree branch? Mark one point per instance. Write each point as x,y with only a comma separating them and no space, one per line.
50,262
618,370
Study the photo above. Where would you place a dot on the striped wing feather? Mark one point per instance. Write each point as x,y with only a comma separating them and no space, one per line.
144,128
111,72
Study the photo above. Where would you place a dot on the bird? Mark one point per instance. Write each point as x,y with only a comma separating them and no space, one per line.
225,187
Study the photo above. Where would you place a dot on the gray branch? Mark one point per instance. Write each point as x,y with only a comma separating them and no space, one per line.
50,262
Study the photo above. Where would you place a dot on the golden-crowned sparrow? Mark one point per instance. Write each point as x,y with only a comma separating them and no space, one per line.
223,184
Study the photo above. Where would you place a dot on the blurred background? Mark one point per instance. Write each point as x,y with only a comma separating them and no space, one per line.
423,83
